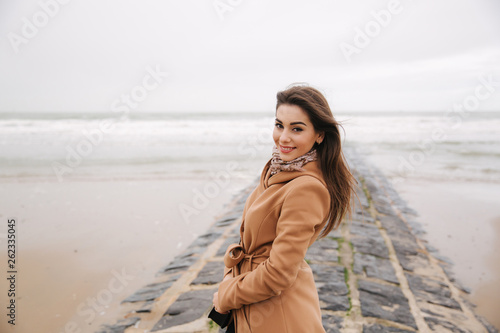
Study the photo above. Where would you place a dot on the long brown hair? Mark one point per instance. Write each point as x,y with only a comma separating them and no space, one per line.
338,178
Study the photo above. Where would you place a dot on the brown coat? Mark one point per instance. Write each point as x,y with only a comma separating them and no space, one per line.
273,289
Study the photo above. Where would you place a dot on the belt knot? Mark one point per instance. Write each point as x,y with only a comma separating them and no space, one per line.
235,254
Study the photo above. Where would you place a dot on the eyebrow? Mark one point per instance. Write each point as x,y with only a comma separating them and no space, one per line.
294,123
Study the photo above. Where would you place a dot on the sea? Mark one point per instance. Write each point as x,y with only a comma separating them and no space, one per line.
62,146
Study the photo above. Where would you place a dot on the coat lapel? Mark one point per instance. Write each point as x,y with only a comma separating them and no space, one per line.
310,169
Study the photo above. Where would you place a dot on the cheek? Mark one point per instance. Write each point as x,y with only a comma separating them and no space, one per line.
276,134
307,140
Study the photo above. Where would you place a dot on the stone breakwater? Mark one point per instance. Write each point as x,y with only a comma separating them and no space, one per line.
373,274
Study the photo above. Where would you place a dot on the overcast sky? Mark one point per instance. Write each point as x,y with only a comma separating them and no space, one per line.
234,55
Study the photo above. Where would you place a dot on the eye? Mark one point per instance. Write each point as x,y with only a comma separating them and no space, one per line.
278,125
298,129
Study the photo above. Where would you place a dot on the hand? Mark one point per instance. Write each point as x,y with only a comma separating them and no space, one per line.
215,301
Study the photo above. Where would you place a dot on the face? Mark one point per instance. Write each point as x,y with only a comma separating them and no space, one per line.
293,134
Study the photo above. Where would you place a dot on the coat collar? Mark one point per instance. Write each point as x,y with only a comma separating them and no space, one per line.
310,169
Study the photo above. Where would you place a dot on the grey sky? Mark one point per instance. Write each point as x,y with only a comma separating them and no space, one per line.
89,53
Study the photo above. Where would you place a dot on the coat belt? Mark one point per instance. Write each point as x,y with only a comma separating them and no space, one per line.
235,254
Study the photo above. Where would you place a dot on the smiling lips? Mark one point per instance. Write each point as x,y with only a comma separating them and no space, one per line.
285,150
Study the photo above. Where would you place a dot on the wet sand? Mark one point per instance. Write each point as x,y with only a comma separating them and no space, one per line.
487,294
85,246
462,220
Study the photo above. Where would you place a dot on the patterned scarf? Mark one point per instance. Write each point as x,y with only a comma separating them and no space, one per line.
277,164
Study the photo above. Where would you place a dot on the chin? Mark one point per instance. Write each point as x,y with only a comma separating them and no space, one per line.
287,158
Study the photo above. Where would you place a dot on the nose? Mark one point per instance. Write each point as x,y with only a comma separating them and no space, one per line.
284,137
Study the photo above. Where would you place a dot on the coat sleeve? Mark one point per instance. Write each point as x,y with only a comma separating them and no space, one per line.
303,214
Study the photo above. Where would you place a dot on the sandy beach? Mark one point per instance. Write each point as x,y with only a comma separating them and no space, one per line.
85,246
462,221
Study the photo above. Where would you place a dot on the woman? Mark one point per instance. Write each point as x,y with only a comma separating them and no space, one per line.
305,191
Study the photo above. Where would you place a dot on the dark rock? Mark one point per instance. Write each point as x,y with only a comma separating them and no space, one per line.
319,254
363,201
382,203
442,258
227,242
238,208
333,302
334,295
246,193
412,262
431,291
206,239
402,237
366,238
487,325
408,210
451,276
120,326
192,251
324,249
178,265
371,184
394,225
374,267
152,291
328,274
147,307
190,315
440,325
332,289
377,328
332,323
364,229
189,307
227,219
335,234
212,273
366,244
363,216
326,243
418,283
385,302
406,244
428,311
416,227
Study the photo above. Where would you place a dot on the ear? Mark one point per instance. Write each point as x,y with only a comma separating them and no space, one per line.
320,138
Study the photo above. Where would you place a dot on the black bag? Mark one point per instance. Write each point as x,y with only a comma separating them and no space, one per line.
221,319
